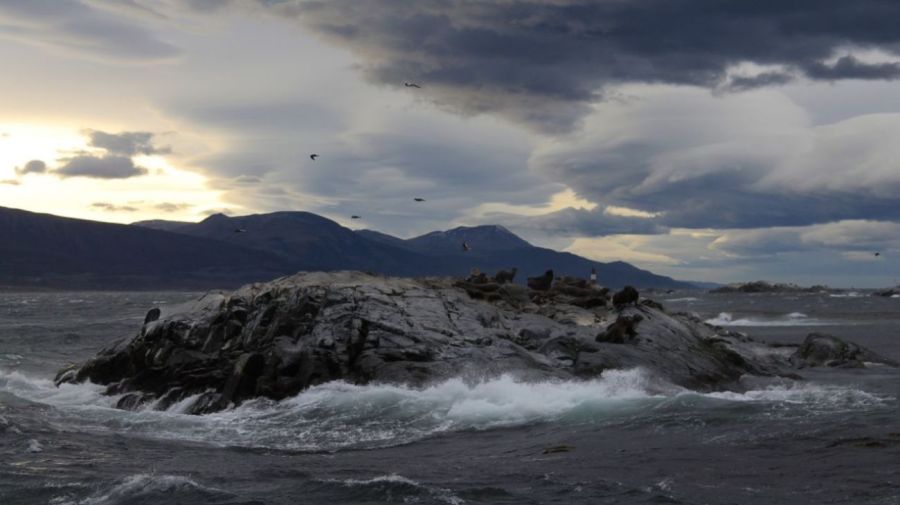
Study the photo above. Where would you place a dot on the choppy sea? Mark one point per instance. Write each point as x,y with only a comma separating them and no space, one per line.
626,437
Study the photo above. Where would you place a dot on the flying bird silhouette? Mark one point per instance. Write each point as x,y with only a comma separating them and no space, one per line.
240,230
354,217
313,156
419,199
465,246
877,254
411,85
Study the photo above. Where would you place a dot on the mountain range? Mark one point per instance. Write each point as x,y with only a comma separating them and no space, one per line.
43,250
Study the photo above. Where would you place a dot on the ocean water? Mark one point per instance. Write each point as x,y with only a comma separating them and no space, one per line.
625,437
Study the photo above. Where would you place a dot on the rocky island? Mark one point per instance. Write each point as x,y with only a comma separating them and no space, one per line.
768,287
277,338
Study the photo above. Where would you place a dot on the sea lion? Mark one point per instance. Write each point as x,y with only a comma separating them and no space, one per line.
505,276
621,331
628,296
541,283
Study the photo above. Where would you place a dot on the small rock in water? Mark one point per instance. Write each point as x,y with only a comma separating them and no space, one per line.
558,448
826,350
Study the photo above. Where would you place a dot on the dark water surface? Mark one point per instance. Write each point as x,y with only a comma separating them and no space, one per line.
833,438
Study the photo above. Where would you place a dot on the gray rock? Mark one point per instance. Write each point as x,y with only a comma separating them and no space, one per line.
826,350
278,338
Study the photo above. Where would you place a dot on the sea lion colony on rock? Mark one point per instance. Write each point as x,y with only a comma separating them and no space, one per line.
278,338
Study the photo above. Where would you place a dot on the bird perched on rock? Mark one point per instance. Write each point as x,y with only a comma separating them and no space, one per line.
504,276
313,156
411,85
628,296
541,283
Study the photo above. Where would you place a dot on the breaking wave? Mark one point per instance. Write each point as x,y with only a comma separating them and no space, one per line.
337,416
394,487
146,488
792,319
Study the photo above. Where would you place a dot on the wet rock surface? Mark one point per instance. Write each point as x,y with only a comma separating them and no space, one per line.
819,349
275,339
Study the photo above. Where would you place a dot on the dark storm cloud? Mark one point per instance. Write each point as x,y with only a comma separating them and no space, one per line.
742,83
99,167
32,167
747,161
849,67
509,56
109,207
72,25
125,143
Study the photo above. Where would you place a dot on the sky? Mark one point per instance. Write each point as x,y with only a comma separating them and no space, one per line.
709,140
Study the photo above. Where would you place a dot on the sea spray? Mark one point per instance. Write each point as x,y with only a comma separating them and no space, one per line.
337,415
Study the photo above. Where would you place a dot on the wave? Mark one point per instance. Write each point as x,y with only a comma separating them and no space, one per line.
850,294
685,299
339,416
147,488
815,397
394,487
792,319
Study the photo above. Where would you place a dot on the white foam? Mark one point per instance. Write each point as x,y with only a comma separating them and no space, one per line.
338,415
44,391
813,396
34,446
685,299
851,294
792,319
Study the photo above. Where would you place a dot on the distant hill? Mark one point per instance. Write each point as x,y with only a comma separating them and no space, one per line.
161,224
222,251
46,250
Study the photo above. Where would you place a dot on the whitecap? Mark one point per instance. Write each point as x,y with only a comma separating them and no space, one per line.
338,415
404,486
144,487
34,446
792,319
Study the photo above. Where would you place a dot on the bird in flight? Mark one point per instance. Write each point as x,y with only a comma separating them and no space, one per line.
354,217
411,85
877,254
240,230
466,247
419,199
313,156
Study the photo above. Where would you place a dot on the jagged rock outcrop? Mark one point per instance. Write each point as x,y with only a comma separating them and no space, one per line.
819,349
278,338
